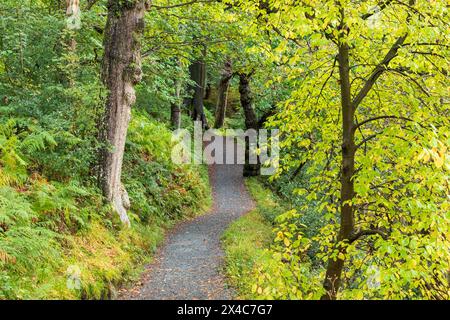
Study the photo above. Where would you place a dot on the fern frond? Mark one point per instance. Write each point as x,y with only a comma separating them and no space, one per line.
38,142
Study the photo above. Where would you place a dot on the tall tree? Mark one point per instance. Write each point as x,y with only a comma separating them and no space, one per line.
121,72
368,147
334,270
251,123
349,126
198,76
222,95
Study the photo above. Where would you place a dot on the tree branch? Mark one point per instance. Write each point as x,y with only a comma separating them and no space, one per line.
408,77
378,9
183,4
90,4
327,79
379,118
365,140
378,71
356,236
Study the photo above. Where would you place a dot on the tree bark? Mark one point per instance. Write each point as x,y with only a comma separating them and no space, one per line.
207,91
72,23
175,109
198,75
121,71
175,116
334,269
72,11
222,98
251,122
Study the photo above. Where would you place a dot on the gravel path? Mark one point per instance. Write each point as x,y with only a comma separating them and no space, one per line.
189,265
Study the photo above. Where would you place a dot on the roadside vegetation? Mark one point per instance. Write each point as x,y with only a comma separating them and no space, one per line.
260,248
59,240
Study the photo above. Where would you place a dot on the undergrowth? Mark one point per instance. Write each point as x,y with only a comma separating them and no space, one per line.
58,240
266,251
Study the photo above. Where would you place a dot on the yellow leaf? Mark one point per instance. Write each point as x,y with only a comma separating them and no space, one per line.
439,161
287,243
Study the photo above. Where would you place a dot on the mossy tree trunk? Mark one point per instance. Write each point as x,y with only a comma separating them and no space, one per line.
121,72
198,76
222,96
251,123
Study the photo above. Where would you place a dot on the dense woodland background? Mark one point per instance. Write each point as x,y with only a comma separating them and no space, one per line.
90,91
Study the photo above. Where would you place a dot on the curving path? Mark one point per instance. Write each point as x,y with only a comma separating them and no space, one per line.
189,265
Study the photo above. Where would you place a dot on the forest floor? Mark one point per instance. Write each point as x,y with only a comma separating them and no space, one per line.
190,264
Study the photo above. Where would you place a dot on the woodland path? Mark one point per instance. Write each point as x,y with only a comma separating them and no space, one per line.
189,265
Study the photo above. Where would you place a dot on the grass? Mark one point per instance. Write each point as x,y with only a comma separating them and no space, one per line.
244,242
268,204
247,238
258,264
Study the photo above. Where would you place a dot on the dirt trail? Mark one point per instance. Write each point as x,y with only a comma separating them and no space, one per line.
188,265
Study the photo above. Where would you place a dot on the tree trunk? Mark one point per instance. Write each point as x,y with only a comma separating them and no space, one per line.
251,123
198,75
188,100
73,14
73,23
175,109
334,270
121,71
175,116
207,91
222,98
